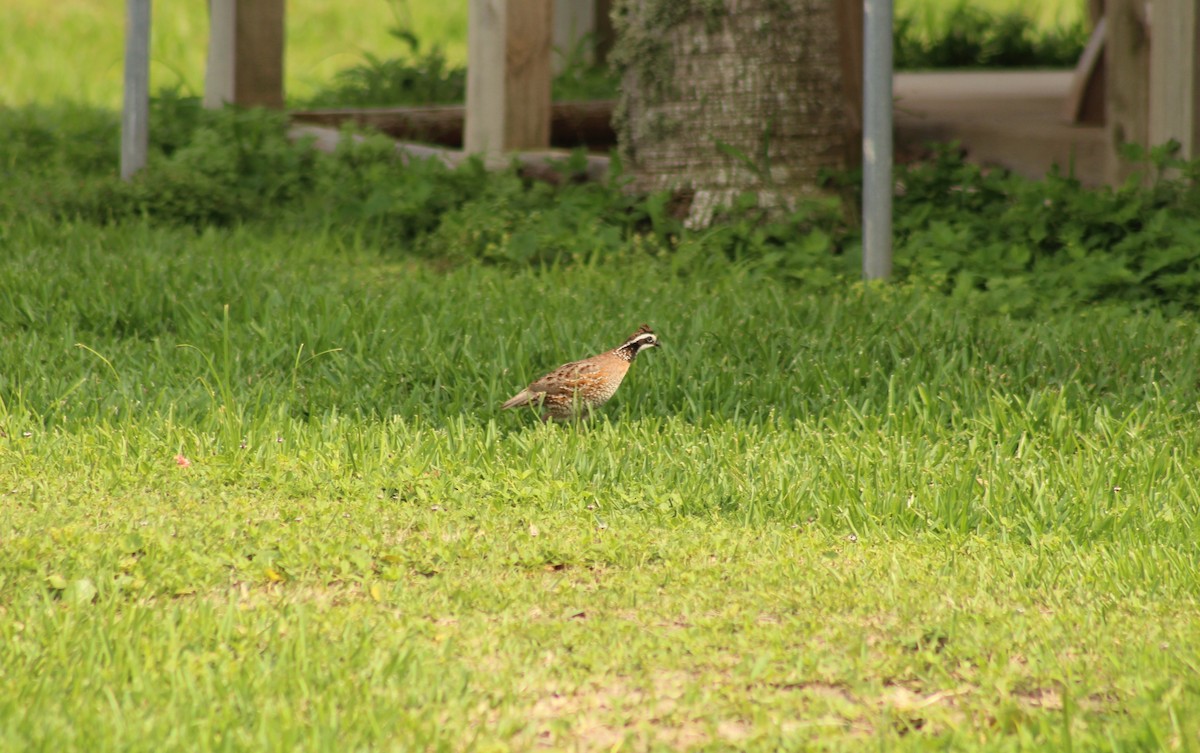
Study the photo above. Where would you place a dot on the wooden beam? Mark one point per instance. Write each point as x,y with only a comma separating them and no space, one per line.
508,75
1085,100
245,53
135,114
1175,75
1126,83
572,124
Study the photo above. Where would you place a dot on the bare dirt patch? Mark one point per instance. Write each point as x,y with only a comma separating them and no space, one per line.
605,714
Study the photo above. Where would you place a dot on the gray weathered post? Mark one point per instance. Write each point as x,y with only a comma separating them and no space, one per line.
222,46
1175,76
135,131
877,139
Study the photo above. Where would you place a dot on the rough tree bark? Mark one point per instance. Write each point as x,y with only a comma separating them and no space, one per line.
723,97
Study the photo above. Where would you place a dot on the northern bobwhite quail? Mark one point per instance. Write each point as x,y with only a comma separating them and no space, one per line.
573,389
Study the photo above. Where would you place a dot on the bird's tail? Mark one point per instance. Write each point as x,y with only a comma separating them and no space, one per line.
524,397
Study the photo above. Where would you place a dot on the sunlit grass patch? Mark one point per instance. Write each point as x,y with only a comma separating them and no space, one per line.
256,486
73,51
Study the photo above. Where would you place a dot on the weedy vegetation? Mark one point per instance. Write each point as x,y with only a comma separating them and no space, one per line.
256,492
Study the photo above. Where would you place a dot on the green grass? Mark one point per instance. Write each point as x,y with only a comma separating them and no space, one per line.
72,50
256,492
929,15
870,517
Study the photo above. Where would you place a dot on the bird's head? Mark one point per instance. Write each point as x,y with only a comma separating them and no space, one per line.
643,338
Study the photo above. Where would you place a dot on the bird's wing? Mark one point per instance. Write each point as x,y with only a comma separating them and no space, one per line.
568,378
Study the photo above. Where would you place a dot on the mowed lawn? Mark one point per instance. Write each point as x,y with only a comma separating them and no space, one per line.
256,494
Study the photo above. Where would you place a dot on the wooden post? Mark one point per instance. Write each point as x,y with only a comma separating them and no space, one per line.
508,75
850,48
218,75
135,115
574,24
245,53
850,25
603,30
1175,75
1126,83
258,77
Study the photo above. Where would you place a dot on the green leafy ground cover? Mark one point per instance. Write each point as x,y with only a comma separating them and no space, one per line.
1028,245
257,493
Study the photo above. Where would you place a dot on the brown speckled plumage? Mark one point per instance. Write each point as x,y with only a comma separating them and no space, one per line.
573,389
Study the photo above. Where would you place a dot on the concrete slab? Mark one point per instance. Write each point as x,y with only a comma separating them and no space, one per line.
1012,119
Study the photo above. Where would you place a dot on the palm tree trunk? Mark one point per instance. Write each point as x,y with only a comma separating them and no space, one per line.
725,97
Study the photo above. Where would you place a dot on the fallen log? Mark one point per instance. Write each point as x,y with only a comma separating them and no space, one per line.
572,124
